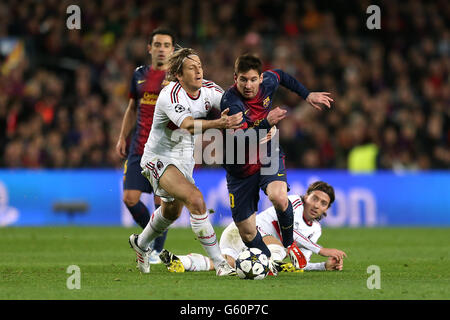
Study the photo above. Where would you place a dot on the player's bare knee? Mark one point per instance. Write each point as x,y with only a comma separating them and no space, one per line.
195,203
279,200
171,210
247,235
130,200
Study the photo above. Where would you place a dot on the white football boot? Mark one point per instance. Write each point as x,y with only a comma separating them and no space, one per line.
142,257
273,270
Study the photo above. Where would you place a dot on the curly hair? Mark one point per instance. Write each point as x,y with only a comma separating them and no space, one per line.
176,62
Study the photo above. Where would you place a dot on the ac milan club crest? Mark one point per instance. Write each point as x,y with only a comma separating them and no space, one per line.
159,165
207,105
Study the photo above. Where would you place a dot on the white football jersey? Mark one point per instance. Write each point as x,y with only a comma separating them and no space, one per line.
305,235
174,104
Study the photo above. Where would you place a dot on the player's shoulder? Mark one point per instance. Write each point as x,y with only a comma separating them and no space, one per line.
210,84
272,73
271,78
169,93
211,87
172,88
295,199
141,69
317,227
231,96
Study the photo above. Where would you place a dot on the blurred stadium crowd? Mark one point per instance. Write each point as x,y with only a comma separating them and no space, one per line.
63,92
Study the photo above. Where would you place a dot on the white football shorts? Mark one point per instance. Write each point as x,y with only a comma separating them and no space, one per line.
153,167
230,241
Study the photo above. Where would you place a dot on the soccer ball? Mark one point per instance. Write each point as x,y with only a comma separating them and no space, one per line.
252,264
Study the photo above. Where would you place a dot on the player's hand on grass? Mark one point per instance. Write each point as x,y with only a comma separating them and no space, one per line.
339,255
333,264
276,115
121,147
317,98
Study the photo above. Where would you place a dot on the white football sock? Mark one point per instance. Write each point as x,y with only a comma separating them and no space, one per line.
278,252
155,227
206,235
195,262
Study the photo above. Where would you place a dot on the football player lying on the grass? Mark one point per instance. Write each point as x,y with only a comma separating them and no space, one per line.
308,210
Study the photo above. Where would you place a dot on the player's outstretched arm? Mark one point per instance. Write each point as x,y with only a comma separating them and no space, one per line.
224,122
317,98
276,115
313,98
339,255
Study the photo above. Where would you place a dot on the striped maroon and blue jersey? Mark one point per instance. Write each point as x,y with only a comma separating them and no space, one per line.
255,113
145,87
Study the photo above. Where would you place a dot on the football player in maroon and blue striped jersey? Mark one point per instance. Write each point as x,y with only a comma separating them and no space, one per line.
252,95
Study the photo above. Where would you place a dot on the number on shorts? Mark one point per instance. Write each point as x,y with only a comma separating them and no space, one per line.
231,200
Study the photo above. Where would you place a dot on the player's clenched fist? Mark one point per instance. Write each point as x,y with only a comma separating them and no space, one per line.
339,255
333,264
276,115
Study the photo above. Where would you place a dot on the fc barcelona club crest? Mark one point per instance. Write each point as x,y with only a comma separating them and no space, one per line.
266,102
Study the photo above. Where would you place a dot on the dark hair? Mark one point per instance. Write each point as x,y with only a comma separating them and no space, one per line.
247,62
322,186
163,31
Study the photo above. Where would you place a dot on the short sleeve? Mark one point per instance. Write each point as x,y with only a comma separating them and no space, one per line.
176,112
217,94
132,94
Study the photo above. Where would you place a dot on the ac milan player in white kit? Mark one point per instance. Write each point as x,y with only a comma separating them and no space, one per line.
308,210
168,160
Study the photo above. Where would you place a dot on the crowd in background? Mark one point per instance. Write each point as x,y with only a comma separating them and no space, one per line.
63,104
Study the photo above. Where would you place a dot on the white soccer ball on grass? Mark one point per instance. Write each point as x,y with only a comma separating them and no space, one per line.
252,264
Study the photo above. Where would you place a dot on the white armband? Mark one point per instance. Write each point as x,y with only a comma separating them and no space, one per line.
320,266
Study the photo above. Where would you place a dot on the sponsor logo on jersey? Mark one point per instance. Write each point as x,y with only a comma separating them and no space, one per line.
266,102
149,98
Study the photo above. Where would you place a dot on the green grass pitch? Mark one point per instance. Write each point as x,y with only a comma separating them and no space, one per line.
414,264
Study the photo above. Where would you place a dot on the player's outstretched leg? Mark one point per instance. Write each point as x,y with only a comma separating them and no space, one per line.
202,227
156,226
252,239
286,221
